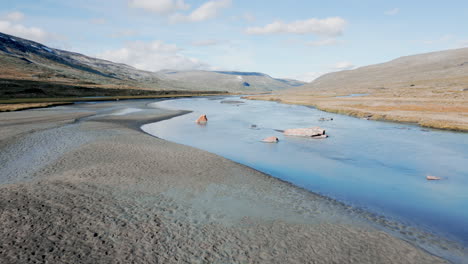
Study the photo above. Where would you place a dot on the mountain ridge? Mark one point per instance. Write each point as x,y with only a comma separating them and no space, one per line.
430,89
438,71
23,59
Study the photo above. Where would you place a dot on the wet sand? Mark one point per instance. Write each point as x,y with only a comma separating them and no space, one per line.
80,185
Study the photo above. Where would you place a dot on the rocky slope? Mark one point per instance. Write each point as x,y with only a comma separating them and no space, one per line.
443,73
429,89
232,81
27,60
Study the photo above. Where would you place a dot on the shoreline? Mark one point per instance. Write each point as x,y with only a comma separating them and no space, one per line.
118,160
19,104
344,106
389,224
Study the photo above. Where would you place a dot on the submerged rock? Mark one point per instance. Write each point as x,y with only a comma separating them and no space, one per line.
270,140
202,119
319,137
432,178
232,102
314,132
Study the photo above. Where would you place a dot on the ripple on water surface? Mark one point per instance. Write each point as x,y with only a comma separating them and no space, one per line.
379,166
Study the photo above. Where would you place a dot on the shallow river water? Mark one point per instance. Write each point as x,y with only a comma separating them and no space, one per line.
378,166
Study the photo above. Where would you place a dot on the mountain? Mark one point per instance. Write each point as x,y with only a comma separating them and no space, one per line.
430,89
26,62
232,81
431,74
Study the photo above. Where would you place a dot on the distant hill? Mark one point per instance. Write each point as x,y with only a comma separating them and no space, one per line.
429,89
429,74
23,61
231,81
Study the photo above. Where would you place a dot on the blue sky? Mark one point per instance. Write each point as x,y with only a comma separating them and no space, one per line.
294,39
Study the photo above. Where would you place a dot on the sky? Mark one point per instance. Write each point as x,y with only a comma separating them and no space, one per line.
299,39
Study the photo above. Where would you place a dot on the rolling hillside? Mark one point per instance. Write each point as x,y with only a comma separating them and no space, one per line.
26,67
232,81
429,89
442,73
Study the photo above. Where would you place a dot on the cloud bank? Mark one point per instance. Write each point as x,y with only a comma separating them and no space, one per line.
324,42
392,12
159,6
343,65
14,16
153,56
10,24
208,10
332,26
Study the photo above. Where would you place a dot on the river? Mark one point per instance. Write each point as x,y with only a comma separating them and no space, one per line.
377,166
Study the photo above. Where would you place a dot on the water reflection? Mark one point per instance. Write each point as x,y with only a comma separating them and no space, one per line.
379,166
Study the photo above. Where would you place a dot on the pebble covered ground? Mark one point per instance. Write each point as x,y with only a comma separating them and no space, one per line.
96,189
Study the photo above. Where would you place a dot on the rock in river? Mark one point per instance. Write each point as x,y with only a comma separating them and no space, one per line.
314,132
270,140
202,119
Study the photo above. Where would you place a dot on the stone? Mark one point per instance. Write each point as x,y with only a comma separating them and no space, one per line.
231,102
202,119
314,132
270,140
320,137
433,178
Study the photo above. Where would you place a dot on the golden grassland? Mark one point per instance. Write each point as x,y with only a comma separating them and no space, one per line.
434,112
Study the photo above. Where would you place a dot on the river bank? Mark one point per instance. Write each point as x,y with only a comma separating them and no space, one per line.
380,167
18,104
431,112
82,183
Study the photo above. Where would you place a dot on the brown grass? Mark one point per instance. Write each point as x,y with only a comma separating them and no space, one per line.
417,108
16,104
24,106
441,113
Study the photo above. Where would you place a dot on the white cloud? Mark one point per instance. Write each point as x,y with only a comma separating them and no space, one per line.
392,12
14,16
463,44
332,26
98,21
308,76
311,76
10,25
125,33
206,42
159,6
249,17
234,55
324,42
208,10
153,56
443,39
31,33
343,65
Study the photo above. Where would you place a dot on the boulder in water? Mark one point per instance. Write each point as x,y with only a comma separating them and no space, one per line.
231,102
270,140
202,119
314,132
